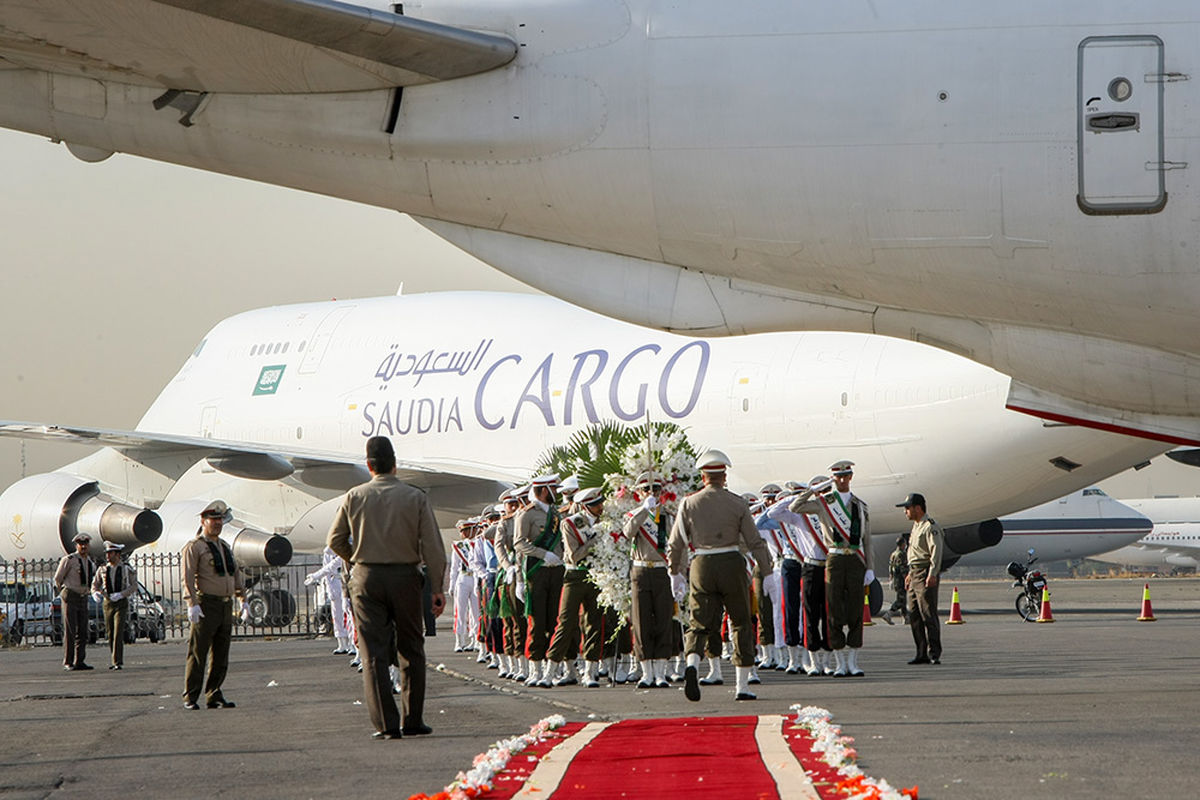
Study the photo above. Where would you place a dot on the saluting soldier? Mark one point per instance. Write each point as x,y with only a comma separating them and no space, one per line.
211,579
715,524
486,565
73,582
926,546
512,606
648,528
538,543
579,595
846,535
113,585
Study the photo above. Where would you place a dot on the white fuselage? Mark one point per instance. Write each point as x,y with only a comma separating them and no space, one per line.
963,175
1078,525
481,384
1174,541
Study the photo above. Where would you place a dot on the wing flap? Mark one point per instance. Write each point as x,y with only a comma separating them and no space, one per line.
243,46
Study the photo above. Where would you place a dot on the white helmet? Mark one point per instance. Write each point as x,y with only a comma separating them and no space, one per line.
712,461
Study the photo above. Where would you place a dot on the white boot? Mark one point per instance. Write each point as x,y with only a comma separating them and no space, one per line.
535,673
564,673
743,684
814,666
546,679
805,660
793,666
591,675
781,657
482,655
342,646
827,662
677,668
622,670
754,679
839,657
691,687
852,668
660,674
493,661
519,675
713,678
647,681
608,666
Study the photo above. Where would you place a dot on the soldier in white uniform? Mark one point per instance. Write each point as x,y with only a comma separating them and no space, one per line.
462,584
715,524
329,576
807,540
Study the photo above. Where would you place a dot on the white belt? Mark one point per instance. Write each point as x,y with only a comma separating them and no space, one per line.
815,562
842,551
712,551
650,564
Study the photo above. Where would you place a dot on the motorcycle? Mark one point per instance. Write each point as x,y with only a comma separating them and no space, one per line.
1031,582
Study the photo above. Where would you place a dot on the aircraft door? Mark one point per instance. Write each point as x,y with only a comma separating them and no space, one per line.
1120,128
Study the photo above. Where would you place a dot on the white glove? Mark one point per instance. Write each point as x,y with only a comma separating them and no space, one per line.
194,614
869,578
245,613
97,596
650,504
115,596
311,579
520,591
552,560
679,587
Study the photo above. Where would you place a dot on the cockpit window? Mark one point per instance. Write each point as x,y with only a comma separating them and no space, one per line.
1094,492
199,347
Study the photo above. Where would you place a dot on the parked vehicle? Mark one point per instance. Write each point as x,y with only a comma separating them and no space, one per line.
25,607
1031,583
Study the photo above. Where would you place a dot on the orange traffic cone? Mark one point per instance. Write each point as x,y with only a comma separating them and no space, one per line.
1046,615
867,606
1147,611
955,610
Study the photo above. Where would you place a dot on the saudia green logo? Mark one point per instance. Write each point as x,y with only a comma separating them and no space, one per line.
268,379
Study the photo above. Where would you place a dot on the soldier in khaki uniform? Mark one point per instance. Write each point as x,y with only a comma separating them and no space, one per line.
538,543
926,545
648,528
579,595
715,524
211,579
73,582
393,531
113,585
846,534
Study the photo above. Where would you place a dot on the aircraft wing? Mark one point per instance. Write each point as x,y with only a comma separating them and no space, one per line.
329,470
241,46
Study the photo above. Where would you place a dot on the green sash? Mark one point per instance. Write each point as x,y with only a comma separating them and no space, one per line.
546,541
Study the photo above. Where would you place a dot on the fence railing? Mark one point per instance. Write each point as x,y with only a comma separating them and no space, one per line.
280,603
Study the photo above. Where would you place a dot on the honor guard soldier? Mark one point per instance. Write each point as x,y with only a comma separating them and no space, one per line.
329,579
385,530
809,543
579,595
538,543
211,579
648,528
486,565
926,546
73,582
768,586
846,535
512,610
113,585
714,524
464,588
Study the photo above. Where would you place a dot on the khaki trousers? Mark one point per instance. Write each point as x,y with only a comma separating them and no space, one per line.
578,594
923,613
844,599
719,581
75,628
116,620
391,623
211,634
653,609
543,589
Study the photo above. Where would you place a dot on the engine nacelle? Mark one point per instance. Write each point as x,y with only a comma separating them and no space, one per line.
43,513
965,539
251,547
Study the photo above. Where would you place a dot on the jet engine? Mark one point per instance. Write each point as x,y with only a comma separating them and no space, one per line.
43,513
964,539
251,547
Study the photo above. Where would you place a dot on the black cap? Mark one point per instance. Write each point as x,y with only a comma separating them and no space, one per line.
380,447
913,499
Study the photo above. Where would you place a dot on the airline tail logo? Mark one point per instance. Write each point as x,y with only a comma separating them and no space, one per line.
268,379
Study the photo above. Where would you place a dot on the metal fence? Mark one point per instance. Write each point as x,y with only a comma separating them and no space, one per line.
280,603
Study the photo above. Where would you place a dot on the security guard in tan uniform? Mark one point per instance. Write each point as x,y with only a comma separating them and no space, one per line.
715,524
926,546
538,543
386,530
73,582
211,579
648,528
579,595
113,585
846,533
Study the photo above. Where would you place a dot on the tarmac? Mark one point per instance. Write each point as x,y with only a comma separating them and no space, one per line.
1094,704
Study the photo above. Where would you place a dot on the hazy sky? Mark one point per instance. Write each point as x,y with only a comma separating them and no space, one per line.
112,273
